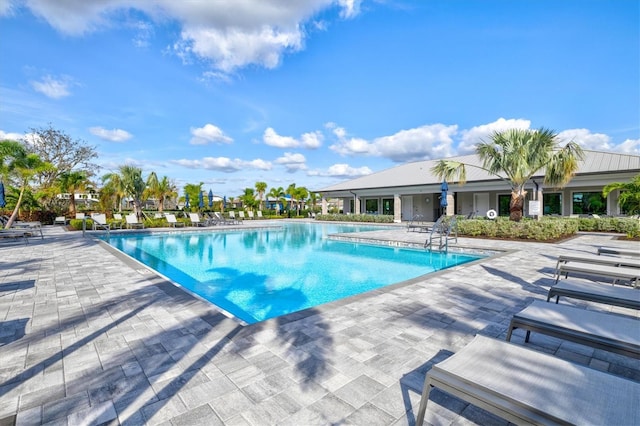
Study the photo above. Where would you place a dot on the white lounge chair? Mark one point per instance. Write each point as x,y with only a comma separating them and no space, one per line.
619,251
250,214
232,216
260,214
241,215
195,220
525,386
596,292
171,219
613,333
100,221
132,221
60,220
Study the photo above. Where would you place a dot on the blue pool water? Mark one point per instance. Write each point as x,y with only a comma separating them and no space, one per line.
257,274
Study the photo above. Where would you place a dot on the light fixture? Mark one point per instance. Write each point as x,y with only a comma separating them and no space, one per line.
427,200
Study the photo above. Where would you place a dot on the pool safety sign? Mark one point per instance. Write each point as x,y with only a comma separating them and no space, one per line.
534,208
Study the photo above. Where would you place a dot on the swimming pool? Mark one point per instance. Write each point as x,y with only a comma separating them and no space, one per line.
257,274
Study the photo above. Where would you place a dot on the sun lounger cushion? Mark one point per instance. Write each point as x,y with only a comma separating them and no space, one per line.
625,297
614,333
620,251
525,386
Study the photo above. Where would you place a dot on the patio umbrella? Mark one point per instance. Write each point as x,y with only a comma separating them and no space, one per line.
224,201
443,196
200,200
2,200
210,198
186,200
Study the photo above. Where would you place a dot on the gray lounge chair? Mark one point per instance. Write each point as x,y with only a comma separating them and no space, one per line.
601,260
619,251
613,333
524,386
604,271
596,292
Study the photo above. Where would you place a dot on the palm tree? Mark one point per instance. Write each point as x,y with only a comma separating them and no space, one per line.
114,184
22,166
519,154
261,187
301,194
277,194
248,198
161,190
291,190
134,186
629,198
193,190
71,183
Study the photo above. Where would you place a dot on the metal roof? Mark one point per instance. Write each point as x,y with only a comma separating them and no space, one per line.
419,172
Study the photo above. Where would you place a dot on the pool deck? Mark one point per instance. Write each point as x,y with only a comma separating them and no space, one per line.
88,336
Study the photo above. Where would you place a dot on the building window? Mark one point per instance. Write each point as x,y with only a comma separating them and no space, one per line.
371,205
552,203
503,204
387,206
589,203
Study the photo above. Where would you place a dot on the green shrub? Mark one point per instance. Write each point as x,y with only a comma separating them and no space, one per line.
501,227
371,218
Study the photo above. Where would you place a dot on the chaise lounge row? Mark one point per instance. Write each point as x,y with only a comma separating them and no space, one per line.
525,386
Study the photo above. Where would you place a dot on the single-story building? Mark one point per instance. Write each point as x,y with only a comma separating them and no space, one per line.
411,189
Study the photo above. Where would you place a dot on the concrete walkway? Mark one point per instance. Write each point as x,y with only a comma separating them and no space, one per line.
88,336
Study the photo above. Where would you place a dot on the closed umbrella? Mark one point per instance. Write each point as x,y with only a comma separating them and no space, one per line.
443,196
186,200
200,200
3,202
210,198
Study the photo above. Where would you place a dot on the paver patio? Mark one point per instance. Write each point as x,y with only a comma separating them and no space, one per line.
88,336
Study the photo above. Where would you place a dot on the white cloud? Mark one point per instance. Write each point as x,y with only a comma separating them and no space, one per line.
292,162
208,134
482,133
224,164
6,7
228,34
51,87
114,135
311,140
629,146
425,142
586,139
342,171
11,136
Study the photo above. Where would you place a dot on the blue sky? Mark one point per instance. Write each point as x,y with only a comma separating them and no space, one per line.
315,92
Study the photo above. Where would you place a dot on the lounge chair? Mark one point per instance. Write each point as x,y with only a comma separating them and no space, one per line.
218,219
119,219
30,228
418,224
171,219
613,333
619,251
260,214
81,216
525,386
232,216
100,221
250,214
596,292
132,221
241,215
195,220
605,271
601,260
15,234
60,220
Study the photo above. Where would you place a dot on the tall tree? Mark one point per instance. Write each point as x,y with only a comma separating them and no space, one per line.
62,151
113,185
72,183
516,155
261,187
291,191
193,190
277,194
301,194
134,186
248,198
16,164
160,189
629,198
